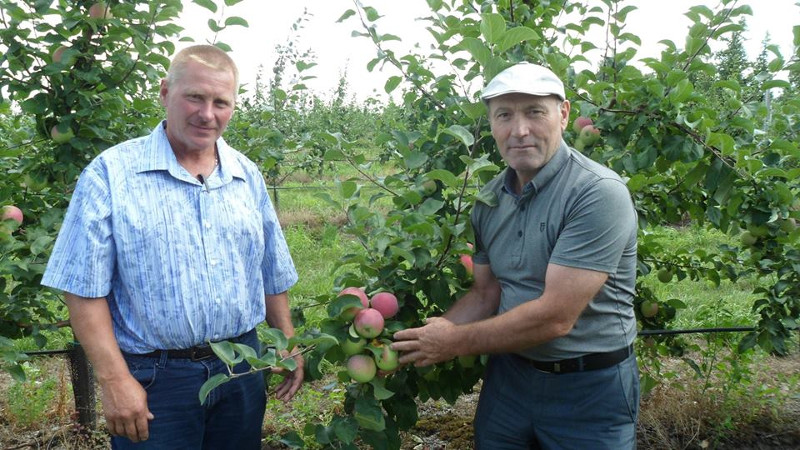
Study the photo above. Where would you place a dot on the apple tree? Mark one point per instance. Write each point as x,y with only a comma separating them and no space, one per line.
683,158
76,77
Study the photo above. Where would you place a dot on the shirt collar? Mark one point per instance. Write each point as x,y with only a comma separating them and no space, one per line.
159,156
546,173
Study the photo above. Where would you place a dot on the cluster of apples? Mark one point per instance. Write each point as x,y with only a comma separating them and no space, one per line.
366,353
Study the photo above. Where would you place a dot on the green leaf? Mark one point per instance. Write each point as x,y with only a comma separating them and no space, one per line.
345,428
473,110
493,26
234,20
515,36
477,49
372,13
226,351
342,303
347,14
461,133
430,206
445,177
379,388
415,160
681,92
275,337
207,4
232,2
488,198
392,83
210,384
369,414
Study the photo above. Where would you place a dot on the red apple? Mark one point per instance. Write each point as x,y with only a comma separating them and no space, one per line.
350,313
589,135
99,10
11,212
368,323
386,303
581,123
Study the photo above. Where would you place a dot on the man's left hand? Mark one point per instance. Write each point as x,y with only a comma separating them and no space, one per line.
291,380
427,345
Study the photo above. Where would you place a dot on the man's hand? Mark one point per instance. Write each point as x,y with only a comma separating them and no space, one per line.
430,344
291,381
125,408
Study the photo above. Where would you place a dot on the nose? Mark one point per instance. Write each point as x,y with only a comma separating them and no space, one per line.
520,127
206,111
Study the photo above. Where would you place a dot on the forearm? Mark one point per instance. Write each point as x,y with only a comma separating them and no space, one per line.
525,326
91,322
472,307
278,314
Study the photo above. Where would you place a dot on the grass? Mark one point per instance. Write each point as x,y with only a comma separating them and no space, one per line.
722,396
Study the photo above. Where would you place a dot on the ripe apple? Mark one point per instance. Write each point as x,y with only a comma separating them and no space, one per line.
350,313
11,212
649,308
100,11
353,346
386,303
581,123
368,323
361,368
387,359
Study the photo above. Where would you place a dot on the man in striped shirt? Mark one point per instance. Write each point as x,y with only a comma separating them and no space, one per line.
170,242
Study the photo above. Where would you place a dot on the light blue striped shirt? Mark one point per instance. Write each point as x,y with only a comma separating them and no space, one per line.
179,263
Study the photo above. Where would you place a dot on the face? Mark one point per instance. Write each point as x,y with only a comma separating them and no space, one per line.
199,105
527,130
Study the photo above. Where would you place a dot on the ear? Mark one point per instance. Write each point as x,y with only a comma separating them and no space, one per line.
565,107
162,92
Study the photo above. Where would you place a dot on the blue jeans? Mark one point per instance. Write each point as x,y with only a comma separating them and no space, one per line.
521,407
231,417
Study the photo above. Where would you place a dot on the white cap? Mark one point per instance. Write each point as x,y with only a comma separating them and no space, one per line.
524,78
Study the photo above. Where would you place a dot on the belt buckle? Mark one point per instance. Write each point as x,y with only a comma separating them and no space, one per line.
556,368
194,353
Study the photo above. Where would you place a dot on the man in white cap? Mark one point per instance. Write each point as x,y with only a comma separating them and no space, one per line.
554,280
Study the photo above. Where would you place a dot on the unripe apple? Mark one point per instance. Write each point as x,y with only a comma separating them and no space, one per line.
748,239
11,212
361,368
428,187
59,137
589,135
368,323
353,346
350,313
581,123
788,225
387,359
100,11
386,303
665,275
649,308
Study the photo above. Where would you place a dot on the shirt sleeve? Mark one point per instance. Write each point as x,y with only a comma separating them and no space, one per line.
277,267
82,261
598,227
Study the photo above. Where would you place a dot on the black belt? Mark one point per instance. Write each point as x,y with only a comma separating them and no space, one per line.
592,361
196,353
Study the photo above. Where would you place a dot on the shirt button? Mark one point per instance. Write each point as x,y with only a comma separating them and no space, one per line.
213,262
217,301
519,233
216,337
208,225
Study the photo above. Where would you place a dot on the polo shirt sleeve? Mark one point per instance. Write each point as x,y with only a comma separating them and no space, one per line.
277,266
599,224
83,257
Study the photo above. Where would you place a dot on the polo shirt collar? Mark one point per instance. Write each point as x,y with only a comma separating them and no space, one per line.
546,173
159,156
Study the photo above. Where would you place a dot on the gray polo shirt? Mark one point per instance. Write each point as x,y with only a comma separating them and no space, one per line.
576,213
